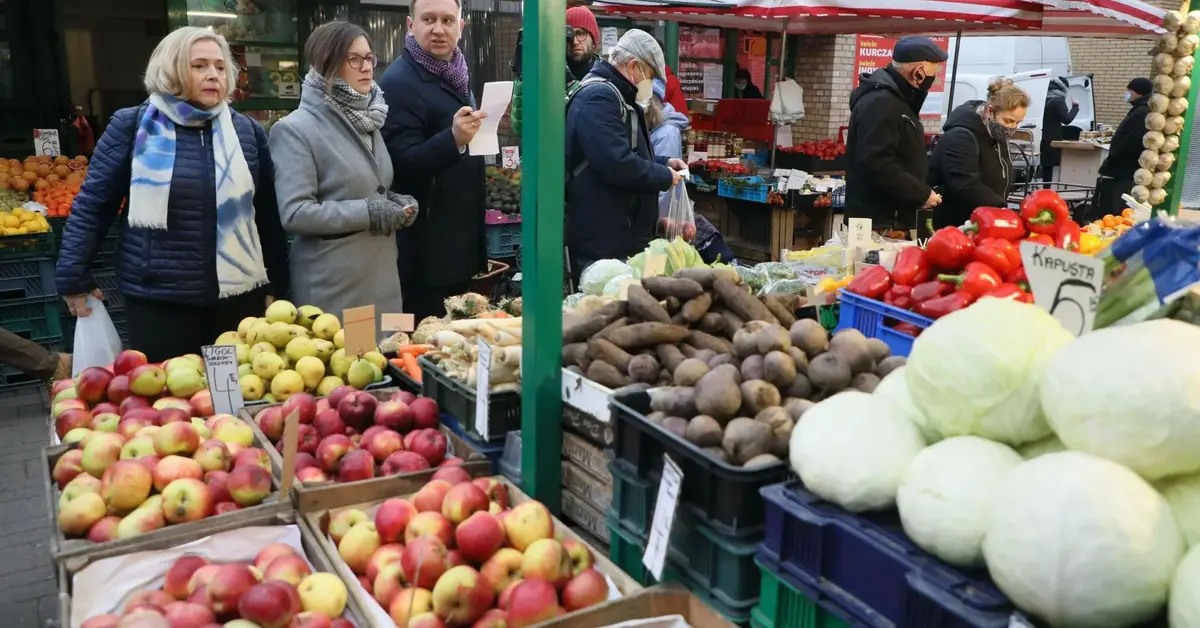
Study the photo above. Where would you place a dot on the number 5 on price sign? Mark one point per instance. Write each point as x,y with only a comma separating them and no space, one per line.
511,157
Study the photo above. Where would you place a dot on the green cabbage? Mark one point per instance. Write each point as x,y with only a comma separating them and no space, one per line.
595,277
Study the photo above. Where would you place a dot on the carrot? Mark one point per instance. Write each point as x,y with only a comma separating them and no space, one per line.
414,350
410,366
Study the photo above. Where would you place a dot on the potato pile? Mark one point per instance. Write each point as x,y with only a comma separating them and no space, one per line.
728,372
1172,71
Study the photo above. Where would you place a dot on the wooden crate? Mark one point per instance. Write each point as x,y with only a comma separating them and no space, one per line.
310,494
588,456
318,523
585,409
313,551
587,486
63,549
659,601
584,515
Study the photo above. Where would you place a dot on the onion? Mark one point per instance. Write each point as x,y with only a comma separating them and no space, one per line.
1159,103
1182,86
1183,66
1163,62
1143,176
1160,180
1170,144
1148,159
1172,21
1187,45
1165,161
1140,193
1174,125
1167,42
1157,196
1191,22
1155,121
1177,106
1163,83
1153,140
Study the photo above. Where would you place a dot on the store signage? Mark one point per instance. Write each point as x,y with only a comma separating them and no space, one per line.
700,43
289,90
483,386
1065,284
873,52
669,487
221,369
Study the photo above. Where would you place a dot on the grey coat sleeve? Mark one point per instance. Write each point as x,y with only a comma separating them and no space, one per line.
300,211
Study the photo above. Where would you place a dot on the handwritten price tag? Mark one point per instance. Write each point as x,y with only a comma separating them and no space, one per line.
1065,284
221,367
655,557
511,157
483,387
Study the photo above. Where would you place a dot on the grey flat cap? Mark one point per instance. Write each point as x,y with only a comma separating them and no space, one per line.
642,45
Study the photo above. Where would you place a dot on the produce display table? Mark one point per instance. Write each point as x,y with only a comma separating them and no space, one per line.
1080,163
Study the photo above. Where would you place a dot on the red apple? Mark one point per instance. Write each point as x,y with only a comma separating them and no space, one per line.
202,403
328,423
452,461
496,490
267,605
128,427
425,413
403,462
311,619
128,360
532,601
249,485
291,569
392,518
505,596
171,468
307,440
252,455
311,475
494,618
270,552
59,386
386,554
67,467
338,394
71,419
430,443
225,507
305,460
180,574
453,475
147,380
218,486
270,421
172,414
105,407
91,385
462,500
404,397
433,524
157,598
147,414
303,403
322,404
188,615
462,596
357,409
331,450
479,537
104,530
370,433
229,583
586,589
131,403
384,444
429,555
431,496
356,465
455,558
394,415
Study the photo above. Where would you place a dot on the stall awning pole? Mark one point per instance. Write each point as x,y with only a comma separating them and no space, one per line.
954,72
542,249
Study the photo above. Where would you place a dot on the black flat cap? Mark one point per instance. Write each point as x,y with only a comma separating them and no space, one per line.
1141,85
915,48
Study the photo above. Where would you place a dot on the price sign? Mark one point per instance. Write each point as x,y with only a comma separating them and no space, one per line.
624,288
1065,284
797,179
656,264
221,367
358,324
697,155
860,236
783,136
781,179
483,387
664,517
46,142
398,322
511,157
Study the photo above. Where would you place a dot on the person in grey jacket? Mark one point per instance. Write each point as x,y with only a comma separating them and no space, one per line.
333,187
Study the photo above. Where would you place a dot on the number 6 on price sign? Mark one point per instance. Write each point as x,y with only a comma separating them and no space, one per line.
511,157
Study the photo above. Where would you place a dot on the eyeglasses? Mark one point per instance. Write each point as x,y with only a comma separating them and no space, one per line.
581,33
356,61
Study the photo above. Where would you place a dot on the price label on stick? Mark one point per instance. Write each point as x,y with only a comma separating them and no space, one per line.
359,327
483,387
221,368
511,157
655,557
860,237
1065,284
398,322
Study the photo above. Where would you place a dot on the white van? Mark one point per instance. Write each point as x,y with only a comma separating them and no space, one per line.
1035,83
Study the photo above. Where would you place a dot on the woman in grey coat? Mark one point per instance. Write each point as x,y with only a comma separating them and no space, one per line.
333,179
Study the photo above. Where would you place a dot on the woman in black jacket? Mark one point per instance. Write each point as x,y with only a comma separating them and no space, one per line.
971,165
1057,115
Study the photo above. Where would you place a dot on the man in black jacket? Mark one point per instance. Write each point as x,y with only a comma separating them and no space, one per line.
1057,114
1116,173
887,166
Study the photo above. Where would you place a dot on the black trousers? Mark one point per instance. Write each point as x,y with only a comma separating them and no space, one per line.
164,330
423,301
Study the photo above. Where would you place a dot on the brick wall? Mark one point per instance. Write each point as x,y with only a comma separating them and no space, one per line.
824,68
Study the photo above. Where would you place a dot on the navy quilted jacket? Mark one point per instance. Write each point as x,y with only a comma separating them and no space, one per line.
177,264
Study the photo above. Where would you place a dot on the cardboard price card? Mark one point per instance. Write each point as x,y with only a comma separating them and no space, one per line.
358,324
1065,284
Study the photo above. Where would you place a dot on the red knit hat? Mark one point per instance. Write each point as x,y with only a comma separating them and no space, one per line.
581,17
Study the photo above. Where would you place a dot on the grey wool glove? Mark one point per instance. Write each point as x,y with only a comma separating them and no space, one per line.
410,208
385,216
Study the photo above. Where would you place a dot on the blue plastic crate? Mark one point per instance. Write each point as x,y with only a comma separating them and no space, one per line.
503,241
755,192
779,608
493,452
24,278
871,317
868,565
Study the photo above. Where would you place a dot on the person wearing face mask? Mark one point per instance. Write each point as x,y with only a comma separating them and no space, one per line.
613,175
971,165
431,120
885,146
743,88
1057,115
1117,170
201,245
333,194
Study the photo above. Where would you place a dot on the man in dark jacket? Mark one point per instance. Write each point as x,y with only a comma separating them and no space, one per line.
885,147
1117,170
1057,115
581,51
971,165
613,177
431,120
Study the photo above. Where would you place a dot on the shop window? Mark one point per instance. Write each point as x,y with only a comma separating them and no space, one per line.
387,30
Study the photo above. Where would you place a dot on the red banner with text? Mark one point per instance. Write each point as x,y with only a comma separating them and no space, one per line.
873,52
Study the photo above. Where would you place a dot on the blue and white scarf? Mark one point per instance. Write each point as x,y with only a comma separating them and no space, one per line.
240,266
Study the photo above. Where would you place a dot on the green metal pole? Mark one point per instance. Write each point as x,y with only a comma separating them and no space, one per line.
732,41
671,41
1175,185
543,90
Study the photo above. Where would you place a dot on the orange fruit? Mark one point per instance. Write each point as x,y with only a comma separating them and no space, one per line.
61,160
82,159
40,184
20,185
30,176
13,164
43,170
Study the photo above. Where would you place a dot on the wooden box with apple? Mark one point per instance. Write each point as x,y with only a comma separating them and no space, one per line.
472,552
672,604
360,439
265,570
143,454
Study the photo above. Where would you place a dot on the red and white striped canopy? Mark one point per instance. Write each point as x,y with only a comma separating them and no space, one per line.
1099,18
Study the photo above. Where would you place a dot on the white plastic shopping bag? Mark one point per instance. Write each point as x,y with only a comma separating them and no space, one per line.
96,340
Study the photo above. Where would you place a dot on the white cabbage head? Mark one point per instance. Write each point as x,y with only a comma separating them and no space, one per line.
894,390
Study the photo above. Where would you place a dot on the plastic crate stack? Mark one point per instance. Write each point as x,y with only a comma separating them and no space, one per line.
719,522
28,300
457,404
105,275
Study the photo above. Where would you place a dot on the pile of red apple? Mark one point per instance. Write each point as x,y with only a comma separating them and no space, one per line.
350,435
277,590
454,554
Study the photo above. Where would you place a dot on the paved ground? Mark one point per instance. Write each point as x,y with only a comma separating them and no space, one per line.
28,591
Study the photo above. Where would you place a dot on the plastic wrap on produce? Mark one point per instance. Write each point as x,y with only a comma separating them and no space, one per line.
1147,270
798,287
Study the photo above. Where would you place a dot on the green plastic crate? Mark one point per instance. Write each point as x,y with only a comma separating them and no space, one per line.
632,497
782,606
28,245
35,318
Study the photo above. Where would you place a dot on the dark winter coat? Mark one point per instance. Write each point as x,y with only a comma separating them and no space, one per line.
612,204
1058,114
446,245
1126,145
178,264
969,167
885,149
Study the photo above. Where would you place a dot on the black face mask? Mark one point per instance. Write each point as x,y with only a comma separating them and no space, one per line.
925,83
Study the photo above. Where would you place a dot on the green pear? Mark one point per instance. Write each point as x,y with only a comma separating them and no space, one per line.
262,347
339,363
253,387
311,369
339,339
268,365
328,384
280,334
245,369
361,374
258,332
228,338
245,326
300,348
326,326
281,312
378,374
243,353
269,398
305,315
286,384
300,331
376,358
325,349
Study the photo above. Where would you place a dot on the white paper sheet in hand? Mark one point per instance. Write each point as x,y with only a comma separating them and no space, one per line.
496,97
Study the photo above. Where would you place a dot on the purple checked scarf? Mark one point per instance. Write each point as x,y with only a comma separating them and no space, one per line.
454,71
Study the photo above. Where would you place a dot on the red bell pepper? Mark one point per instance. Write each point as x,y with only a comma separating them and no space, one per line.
930,290
941,306
908,328
996,222
1002,255
911,267
899,296
948,249
1010,291
1040,238
977,279
1018,277
871,283
1044,211
1068,236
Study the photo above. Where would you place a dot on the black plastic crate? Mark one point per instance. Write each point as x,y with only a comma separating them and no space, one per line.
724,495
25,278
452,397
33,318
400,378
107,283
28,245
792,161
